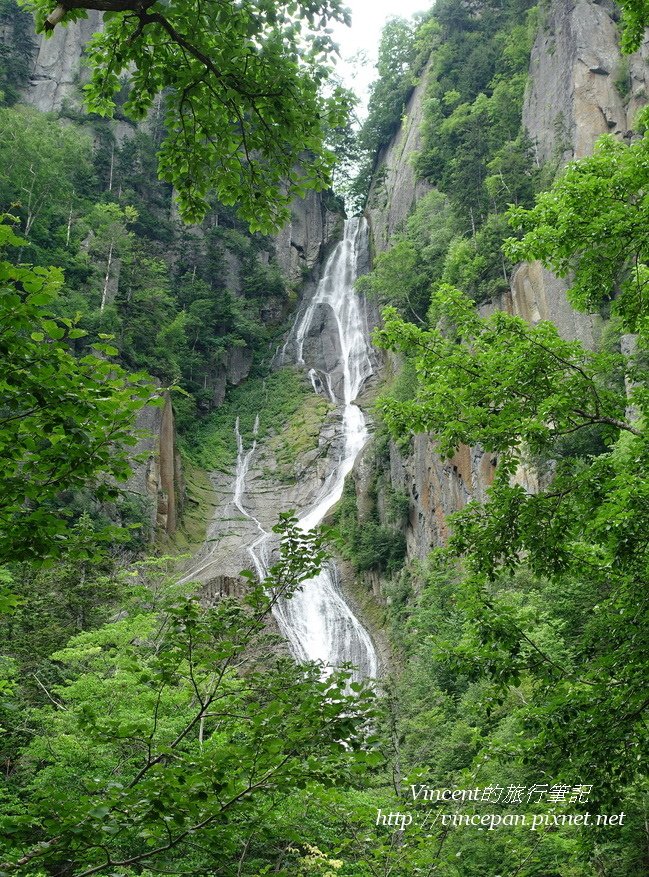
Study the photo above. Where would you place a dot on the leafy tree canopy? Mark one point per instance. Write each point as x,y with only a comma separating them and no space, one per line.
43,165
241,84
591,225
517,390
498,381
174,736
635,19
65,422
552,568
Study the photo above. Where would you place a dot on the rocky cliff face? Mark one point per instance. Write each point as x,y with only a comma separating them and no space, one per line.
269,490
157,472
301,244
395,188
56,64
54,80
298,250
580,85
579,88
536,294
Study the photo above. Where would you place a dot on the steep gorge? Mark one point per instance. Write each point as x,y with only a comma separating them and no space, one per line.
574,94
330,334
579,86
167,725
219,253
329,341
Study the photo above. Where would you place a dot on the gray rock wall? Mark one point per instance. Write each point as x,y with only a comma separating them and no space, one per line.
536,294
298,249
56,75
234,370
157,470
395,188
56,69
301,244
267,494
580,86
435,488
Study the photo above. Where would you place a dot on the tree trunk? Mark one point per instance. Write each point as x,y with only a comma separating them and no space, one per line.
104,293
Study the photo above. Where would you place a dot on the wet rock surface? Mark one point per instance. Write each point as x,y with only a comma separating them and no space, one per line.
266,495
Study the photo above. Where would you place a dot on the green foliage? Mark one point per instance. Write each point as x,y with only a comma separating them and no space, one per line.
577,651
497,381
635,20
14,52
298,432
242,93
42,166
166,736
474,97
473,148
403,275
512,177
343,142
372,541
56,603
447,725
403,53
473,151
623,79
589,224
371,546
522,642
275,399
178,304
173,730
399,63
65,422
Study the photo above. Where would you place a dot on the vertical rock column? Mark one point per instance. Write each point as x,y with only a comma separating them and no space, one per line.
168,477
159,474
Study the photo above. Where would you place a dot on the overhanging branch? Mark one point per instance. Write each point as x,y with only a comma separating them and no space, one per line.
59,12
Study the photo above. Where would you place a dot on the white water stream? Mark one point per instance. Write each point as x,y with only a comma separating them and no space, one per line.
317,622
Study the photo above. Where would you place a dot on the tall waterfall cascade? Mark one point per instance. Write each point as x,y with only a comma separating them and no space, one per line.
317,622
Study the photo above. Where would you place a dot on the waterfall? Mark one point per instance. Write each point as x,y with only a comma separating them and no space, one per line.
255,551
317,621
243,464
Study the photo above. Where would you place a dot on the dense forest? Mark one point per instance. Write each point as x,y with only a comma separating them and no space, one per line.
154,723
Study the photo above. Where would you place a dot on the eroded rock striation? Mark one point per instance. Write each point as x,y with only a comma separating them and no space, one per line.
580,85
395,188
